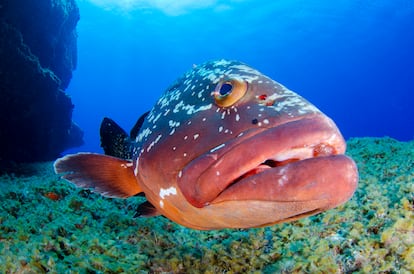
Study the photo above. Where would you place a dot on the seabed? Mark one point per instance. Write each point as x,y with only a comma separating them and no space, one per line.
49,226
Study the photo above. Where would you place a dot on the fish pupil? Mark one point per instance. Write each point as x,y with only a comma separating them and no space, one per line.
225,89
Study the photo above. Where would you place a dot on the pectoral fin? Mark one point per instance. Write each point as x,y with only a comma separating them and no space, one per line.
107,175
146,209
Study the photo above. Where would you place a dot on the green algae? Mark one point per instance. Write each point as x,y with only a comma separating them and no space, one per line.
81,232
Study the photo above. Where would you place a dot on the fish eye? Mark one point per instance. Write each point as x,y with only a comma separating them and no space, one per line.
225,89
229,91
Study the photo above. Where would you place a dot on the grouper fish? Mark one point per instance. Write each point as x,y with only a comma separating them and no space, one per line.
224,147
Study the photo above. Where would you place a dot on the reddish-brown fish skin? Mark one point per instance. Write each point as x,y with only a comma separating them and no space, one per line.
227,147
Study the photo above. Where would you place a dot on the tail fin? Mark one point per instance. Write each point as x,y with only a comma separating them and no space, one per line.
109,176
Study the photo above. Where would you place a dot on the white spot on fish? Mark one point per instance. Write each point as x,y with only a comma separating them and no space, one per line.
136,167
173,124
180,174
237,117
220,129
218,173
154,142
127,165
272,97
167,191
145,133
178,106
217,147
156,118
196,136
283,179
222,63
200,94
265,121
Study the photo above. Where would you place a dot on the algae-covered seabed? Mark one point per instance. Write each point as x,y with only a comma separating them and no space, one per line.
48,225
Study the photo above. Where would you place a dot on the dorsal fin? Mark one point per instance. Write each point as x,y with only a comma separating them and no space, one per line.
109,176
138,125
114,140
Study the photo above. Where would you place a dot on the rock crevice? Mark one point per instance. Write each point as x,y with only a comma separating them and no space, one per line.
38,55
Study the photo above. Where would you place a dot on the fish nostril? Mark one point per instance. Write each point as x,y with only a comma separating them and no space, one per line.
266,100
255,121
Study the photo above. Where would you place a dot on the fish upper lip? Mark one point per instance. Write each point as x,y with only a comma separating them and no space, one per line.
281,144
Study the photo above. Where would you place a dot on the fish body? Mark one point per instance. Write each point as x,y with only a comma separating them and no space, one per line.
226,147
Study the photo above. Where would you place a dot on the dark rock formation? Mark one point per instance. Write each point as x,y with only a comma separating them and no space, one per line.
37,56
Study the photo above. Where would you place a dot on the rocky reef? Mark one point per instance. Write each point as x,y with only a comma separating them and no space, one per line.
38,53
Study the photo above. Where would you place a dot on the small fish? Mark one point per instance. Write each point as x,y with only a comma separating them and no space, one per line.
224,147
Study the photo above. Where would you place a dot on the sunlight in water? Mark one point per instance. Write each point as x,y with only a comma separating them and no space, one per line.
170,7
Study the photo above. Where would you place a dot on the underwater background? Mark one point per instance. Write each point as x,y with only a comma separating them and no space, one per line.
353,59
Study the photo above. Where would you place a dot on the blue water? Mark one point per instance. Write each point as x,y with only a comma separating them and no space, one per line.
354,59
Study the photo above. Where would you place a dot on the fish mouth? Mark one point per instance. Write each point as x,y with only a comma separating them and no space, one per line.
298,161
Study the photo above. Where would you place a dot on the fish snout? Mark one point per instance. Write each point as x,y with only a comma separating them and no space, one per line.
274,148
